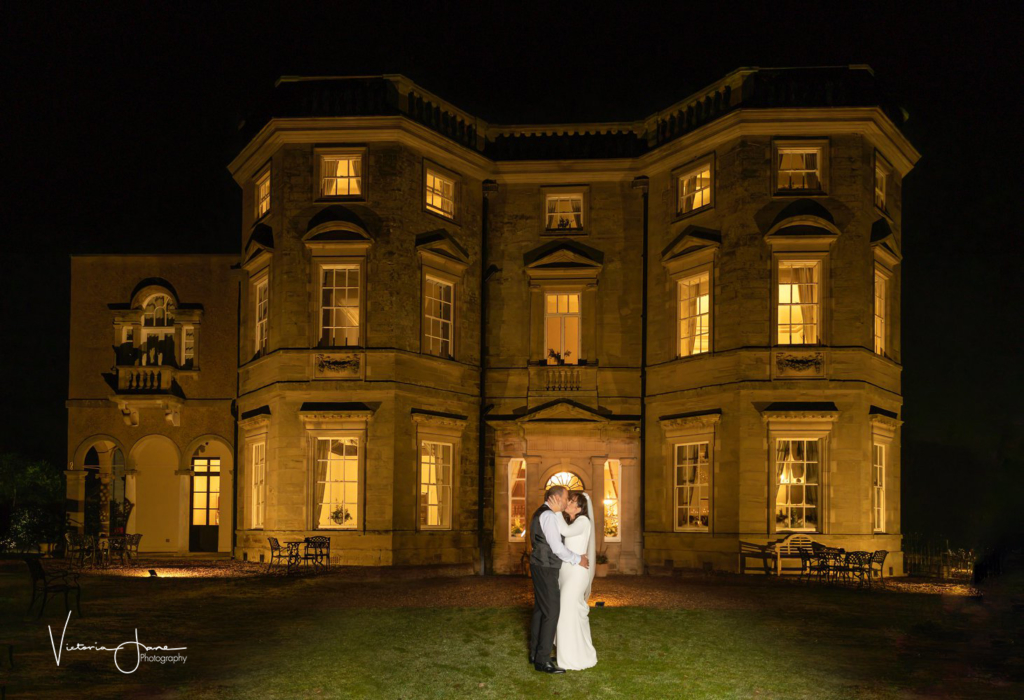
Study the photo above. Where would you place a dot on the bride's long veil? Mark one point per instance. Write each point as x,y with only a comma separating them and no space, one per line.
591,546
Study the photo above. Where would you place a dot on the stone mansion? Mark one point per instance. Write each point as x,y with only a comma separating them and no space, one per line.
694,316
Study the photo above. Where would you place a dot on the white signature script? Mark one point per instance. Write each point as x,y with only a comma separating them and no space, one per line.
59,649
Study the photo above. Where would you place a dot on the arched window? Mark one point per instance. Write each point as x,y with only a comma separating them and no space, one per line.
158,312
566,479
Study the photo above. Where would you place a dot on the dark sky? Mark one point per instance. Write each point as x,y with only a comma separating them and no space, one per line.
120,124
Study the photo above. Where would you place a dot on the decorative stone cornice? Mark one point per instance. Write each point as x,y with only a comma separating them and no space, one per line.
799,416
701,421
252,425
439,420
323,416
563,260
886,422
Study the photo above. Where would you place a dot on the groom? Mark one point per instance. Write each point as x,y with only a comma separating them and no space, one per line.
546,559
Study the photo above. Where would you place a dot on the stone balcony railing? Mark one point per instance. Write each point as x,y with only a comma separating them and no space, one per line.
562,378
145,380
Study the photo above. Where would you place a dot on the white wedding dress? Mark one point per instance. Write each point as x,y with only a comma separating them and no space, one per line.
573,646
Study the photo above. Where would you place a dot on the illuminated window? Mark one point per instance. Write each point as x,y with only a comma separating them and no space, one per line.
440,193
694,189
259,482
188,347
799,302
562,328
158,347
435,485
261,313
341,175
695,314
438,317
692,495
564,212
336,483
612,500
797,474
263,194
799,167
566,479
516,500
206,491
878,487
882,172
339,305
880,311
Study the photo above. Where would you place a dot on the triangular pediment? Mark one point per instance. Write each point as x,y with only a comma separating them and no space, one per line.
884,243
261,242
442,243
564,259
563,410
691,240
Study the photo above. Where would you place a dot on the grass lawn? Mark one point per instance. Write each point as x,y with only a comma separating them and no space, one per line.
338,636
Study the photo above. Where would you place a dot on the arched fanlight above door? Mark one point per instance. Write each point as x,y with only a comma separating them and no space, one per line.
566,479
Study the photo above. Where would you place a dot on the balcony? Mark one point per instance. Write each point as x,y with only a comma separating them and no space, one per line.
132,379
548,382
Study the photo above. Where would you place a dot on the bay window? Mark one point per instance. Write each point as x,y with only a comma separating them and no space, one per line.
258,482
336,483
800,166
340,174
797,483
880,308
878,487
692,494
262,192
261,313
694,188
441,192
564,212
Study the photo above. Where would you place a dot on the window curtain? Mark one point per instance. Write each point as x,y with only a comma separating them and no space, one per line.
693,313
577,211
323,450
784,477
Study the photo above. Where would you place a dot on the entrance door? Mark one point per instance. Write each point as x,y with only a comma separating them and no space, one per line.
204,525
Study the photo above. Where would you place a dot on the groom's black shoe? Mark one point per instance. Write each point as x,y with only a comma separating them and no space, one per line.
548,667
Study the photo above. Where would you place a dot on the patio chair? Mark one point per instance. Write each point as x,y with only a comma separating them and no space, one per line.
48,584
131,547
858,566
119,548
276,552
318,552
79,548
878,559
830,561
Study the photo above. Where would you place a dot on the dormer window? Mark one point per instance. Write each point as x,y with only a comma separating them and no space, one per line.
564,212
694,188
263,194
800,166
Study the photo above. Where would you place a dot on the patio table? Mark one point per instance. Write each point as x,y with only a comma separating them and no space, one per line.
293,554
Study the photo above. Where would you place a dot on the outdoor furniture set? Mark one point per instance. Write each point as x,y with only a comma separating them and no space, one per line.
313,552
100,551
799,554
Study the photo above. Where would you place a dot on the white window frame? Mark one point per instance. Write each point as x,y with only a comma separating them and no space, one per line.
879,460
560,347
212,469
612,504
188,346
703,326
258,483
261,194
883,176
516,464
819,484
356,173
555,198
344,460
322,341
428,319
820,147
880,320
702,489
819,262
431,457
261,325
705,193
435,199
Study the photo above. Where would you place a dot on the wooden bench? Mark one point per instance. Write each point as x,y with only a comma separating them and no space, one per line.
765,553
793,547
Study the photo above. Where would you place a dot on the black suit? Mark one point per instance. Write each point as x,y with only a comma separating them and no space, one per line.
544,568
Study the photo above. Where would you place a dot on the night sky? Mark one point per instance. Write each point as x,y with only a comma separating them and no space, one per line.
120,125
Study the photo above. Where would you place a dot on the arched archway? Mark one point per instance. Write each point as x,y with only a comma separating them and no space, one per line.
569,479
209,460
153,463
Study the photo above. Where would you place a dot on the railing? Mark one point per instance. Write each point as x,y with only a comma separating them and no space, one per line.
926,559
562,379
144,380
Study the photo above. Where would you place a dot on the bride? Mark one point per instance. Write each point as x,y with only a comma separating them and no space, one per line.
573,647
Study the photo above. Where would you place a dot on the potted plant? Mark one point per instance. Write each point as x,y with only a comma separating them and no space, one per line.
602,564
340,515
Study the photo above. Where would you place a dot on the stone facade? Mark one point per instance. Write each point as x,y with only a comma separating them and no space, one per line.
560,362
